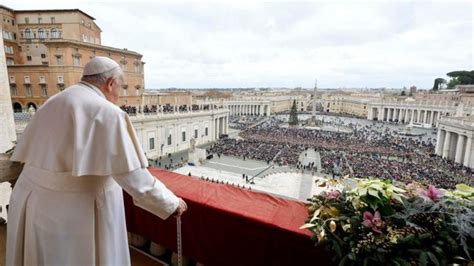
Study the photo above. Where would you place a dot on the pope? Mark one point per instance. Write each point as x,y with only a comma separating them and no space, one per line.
79,151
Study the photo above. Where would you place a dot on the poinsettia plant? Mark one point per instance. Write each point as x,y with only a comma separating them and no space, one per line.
379,222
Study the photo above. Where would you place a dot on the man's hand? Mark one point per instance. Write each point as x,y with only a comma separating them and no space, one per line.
182,207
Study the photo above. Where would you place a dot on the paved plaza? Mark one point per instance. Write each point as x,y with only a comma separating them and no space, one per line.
283,181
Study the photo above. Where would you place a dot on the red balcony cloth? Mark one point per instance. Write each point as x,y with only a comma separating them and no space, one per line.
225,225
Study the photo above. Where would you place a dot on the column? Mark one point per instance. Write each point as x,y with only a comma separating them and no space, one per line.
468,152
425,115
446,144
380,114
459,149
412,119
440,142
216,134
432,118
419,117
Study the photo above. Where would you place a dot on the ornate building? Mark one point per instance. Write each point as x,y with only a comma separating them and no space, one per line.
46,51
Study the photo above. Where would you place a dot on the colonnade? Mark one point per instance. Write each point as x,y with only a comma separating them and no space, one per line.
221,126
249,109
409,114
455,146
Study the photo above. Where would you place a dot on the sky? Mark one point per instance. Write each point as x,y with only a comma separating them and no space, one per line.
237,44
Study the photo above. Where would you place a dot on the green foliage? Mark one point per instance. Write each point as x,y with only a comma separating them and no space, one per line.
414,229
293,120
438,82
460,77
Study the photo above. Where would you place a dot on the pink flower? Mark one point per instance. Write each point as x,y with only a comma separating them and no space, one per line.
334,194
373,221
433,193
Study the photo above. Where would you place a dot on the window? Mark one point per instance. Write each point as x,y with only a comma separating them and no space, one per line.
169,139
10,62
28,90
13,91
53,20
7,35
13,22
28,33
43,55
27,79
28,57
77,60
59,59
125,90
14,36
60,79
44,90
42,80
8,49
84,38
137,91
206,131
12,79
40,20
27,20
151,142
183,136
41,34
61,87
55,34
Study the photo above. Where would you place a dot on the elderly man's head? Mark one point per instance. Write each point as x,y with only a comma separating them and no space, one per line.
105,74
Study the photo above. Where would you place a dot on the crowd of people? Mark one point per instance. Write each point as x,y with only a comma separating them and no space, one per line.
153,109
238,122
369,151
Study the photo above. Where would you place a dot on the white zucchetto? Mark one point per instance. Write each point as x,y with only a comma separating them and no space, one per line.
99,65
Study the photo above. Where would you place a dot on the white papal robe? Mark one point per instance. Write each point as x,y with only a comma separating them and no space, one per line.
67,208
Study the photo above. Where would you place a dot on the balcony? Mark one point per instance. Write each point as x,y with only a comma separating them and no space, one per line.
224,225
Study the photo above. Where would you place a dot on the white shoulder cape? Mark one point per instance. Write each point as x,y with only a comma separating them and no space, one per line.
79,131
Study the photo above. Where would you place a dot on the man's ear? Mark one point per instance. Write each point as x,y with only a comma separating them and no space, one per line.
108,84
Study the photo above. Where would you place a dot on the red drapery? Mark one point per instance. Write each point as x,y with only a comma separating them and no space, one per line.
225,225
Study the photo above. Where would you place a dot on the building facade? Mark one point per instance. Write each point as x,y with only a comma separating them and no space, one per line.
426,113
455,140
46,51
164,133
348,103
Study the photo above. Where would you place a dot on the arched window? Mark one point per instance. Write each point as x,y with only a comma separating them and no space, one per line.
54,33
17,108
28,34
41,34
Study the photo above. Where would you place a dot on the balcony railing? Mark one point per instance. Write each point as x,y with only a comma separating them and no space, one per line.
225,225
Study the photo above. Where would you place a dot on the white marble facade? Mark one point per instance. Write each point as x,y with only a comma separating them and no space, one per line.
7,124
426,113
161,134
455,140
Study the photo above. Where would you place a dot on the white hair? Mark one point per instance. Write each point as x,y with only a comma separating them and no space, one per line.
101,79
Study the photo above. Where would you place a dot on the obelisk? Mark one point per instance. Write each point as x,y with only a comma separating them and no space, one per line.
7,124
313,115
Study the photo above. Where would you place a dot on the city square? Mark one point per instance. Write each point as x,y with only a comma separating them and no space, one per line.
259,133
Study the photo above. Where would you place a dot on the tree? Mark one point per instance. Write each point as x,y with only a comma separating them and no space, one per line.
293,121
403,93
460,77
438,82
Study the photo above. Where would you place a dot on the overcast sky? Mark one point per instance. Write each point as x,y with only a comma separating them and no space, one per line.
283,44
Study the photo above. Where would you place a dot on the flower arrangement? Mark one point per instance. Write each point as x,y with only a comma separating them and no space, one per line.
378,222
